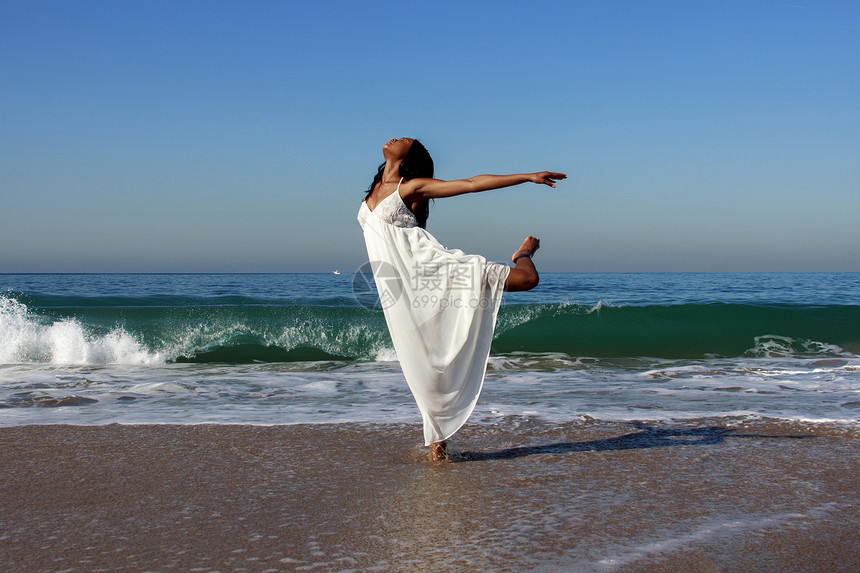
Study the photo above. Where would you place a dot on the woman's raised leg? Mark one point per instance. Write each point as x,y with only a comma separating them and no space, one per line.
524,275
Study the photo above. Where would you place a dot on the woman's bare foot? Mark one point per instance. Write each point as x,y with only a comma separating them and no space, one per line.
438,451
530,245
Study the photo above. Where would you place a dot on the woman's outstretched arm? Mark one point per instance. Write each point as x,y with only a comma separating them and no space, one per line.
422,189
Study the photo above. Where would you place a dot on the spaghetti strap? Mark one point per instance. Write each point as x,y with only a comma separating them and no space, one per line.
398,186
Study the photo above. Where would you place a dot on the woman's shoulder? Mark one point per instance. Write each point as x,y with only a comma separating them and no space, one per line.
412,186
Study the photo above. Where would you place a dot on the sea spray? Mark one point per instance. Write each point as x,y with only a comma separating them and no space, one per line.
27,337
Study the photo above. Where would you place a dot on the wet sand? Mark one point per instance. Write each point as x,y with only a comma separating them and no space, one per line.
709,495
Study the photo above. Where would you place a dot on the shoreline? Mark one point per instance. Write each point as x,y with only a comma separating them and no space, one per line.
703,495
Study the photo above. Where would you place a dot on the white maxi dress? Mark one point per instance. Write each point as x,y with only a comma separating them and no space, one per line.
440,306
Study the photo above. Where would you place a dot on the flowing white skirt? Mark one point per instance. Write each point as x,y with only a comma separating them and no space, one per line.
441,307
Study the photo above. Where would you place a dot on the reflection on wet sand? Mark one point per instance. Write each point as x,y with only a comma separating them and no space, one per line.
702,495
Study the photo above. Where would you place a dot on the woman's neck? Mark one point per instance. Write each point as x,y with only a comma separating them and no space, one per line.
391,173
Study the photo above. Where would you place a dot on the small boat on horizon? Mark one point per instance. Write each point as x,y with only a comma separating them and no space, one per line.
335,272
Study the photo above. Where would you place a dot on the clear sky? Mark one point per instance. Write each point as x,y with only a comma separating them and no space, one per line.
698,136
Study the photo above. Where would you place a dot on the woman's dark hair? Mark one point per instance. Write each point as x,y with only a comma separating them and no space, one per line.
417,163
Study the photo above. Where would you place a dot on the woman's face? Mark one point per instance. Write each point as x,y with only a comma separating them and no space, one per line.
396,148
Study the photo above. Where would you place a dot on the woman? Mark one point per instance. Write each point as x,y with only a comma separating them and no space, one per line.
440,304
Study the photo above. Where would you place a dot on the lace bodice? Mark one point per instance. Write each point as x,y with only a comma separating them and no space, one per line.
393,210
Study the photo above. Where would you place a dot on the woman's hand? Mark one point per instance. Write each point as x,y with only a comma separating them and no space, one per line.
546,177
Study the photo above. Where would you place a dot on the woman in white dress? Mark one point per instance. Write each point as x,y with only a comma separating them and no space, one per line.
440,304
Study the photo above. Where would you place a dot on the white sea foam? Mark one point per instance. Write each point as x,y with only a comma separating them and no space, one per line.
386,355
26,338
156,388
769,345
336,392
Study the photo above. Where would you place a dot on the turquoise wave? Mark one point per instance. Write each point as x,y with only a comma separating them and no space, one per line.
680,331
80,330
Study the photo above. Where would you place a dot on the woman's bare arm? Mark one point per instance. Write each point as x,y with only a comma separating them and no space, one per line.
422,189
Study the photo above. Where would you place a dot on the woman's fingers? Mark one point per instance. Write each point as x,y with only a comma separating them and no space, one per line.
549,177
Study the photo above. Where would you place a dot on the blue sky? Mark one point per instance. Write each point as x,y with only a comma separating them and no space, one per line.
698,136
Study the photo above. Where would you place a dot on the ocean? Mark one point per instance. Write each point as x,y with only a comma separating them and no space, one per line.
271,349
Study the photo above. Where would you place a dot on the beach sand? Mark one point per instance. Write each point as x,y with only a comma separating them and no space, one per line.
704,495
